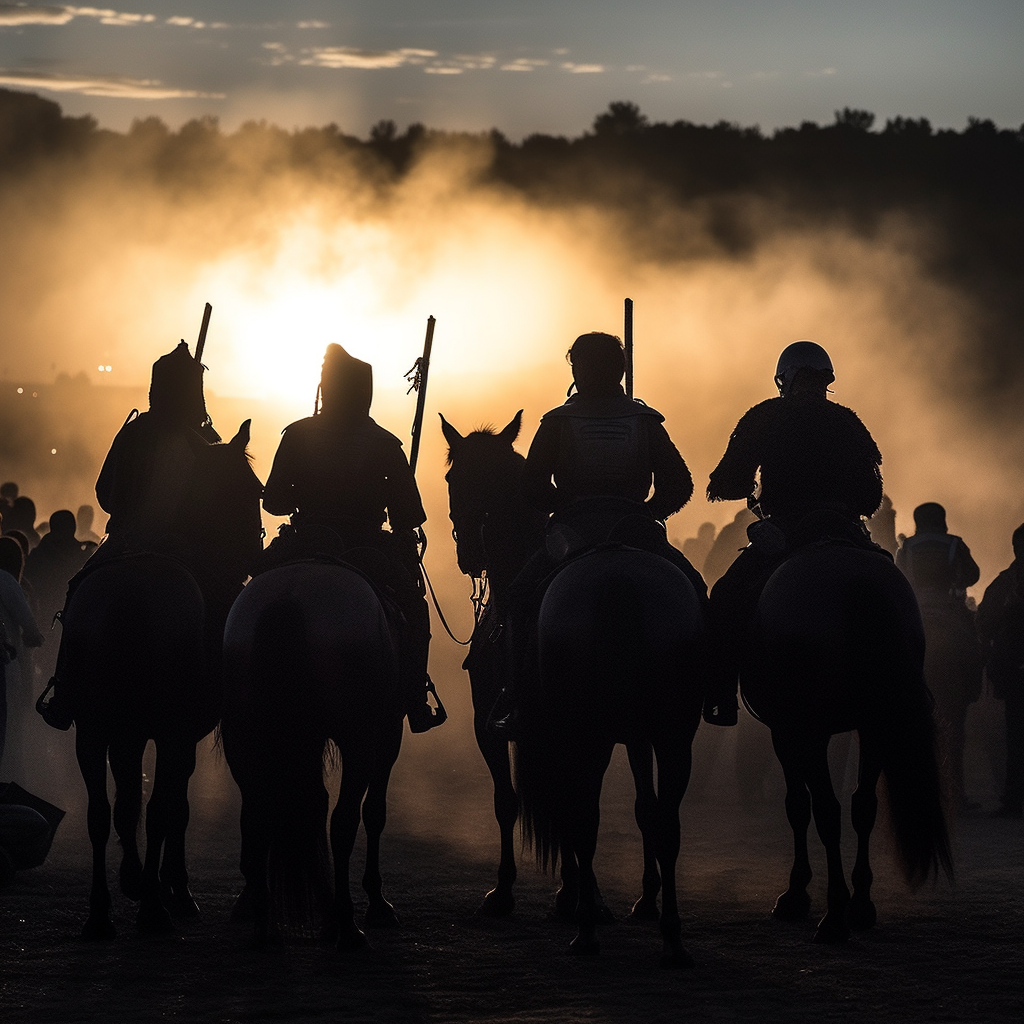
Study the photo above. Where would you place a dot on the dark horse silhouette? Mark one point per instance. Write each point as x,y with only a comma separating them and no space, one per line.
838,645
653,626
142,637
309,658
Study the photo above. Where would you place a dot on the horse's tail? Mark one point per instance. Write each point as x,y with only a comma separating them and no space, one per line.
295,798
901,726
536,768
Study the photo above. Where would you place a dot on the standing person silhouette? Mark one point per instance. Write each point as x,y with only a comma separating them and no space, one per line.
1001,628
804,465
341,477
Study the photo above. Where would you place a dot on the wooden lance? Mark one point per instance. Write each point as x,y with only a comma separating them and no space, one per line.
627,335
418,377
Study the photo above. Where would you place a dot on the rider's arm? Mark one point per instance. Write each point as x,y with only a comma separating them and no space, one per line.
404,505
537,486
279,493
734,477
673,482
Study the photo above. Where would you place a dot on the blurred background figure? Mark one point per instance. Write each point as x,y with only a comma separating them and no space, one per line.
731,540
84,517
1001,628
22,516
18,628
696,549
882,526
940,568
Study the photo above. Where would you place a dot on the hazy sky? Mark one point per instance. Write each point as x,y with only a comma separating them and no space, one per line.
522,67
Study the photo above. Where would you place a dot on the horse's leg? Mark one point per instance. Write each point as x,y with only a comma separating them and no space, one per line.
379,912
500,902
864,809
92,760
344,826
254,902
126,767
153,916
828,822
173,870
795,903
645,809
586,818
674,763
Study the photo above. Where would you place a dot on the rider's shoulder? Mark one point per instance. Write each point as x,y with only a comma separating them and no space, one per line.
601,406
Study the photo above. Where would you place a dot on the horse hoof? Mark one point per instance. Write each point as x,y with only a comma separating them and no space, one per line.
676,960
130,880
831,932
584,947
497,904
381,916
99,930
242,912
154,921
644,911
792,906
861,915
602,915
352,941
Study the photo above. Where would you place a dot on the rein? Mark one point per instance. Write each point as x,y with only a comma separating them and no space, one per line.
478,597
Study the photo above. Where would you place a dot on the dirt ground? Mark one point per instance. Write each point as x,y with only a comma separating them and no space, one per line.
942,954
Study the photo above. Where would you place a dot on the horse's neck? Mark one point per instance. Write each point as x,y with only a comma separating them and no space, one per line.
512,536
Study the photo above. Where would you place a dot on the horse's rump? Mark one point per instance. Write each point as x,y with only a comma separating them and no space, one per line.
309,642
133,642
619,638
837,637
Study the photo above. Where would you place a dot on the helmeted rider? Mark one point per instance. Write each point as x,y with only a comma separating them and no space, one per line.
140,486
340,476
938,563
592,465
806,466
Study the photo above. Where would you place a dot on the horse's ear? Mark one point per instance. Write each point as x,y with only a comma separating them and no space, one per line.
241,439
451,435
511,432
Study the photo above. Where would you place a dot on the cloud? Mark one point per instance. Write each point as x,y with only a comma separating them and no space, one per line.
821,73
352,57
109,17
101,85
523,64
583,69
23,14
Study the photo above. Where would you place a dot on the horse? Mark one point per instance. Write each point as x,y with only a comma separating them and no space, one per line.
838,645
142,637
310,661
953,667
496,533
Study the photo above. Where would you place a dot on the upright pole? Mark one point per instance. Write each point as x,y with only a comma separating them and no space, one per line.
201,343
419,385
628,339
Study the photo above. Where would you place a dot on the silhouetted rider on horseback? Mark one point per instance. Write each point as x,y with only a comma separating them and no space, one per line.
591,466
809,469
340,476
140,486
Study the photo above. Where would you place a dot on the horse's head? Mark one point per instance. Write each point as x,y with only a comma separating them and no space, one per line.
483,478
220,512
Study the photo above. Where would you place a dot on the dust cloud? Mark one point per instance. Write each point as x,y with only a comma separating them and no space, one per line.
111,257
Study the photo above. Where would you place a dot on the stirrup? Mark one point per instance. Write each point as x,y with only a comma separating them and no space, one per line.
53,714
422,721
